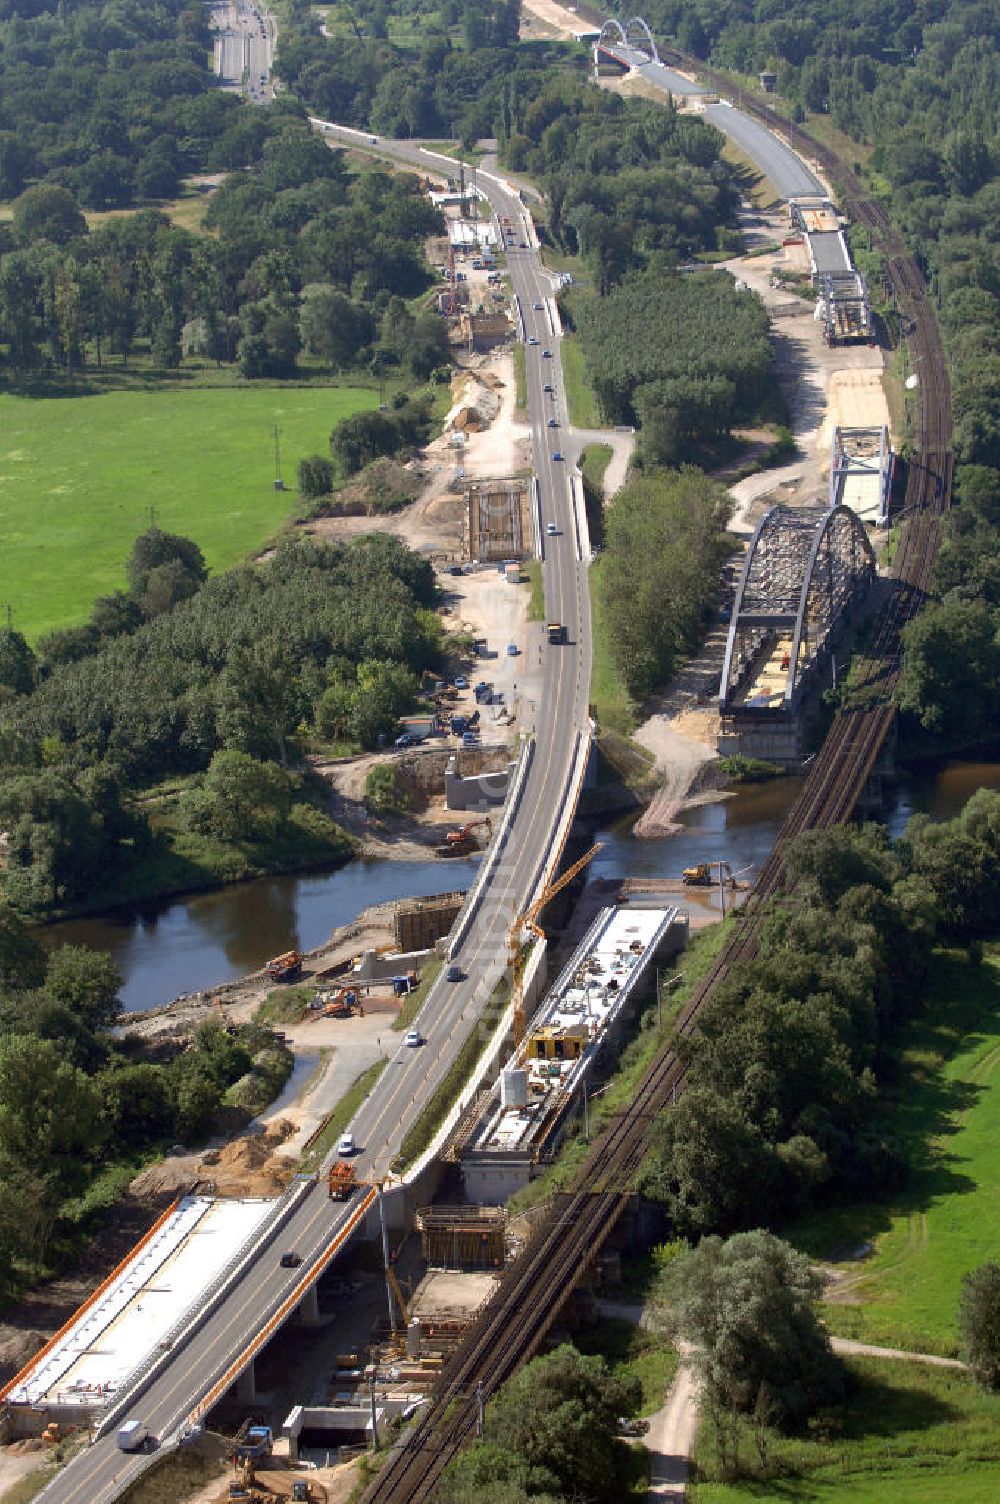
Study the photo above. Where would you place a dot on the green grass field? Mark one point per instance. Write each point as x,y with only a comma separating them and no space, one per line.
909,1434
947,1220
79,475
580,397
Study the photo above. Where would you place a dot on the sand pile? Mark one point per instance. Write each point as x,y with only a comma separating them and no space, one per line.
249,1166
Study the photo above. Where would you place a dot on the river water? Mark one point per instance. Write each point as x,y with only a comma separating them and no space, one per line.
187,944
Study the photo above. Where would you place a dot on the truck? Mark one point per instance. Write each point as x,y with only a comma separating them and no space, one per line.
556,631
132,1436
258,1442
286,967
342,1180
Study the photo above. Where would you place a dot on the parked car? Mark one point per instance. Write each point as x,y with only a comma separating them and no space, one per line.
461,682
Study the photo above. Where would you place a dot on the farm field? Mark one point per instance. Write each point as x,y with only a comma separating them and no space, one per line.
80,475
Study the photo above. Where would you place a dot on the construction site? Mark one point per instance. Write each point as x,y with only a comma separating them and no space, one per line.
498,521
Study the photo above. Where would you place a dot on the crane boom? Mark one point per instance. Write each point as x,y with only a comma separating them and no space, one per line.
529,920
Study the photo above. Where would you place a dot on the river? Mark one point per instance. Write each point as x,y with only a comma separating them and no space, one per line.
187,944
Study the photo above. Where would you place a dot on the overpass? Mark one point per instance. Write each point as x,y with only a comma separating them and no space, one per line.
216,1347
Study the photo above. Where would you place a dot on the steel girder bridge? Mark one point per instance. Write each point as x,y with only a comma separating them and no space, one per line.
805,569
629,44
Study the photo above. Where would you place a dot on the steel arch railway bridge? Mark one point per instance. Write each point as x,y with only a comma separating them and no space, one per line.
630,44
805,569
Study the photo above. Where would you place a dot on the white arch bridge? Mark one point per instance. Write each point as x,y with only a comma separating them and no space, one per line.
631,44
805,571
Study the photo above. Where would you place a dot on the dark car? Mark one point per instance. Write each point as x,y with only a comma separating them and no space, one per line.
455,973
556,455
291,1260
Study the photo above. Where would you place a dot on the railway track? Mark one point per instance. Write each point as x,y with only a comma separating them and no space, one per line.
528,1300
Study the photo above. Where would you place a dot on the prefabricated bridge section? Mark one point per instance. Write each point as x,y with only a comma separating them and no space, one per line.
807,571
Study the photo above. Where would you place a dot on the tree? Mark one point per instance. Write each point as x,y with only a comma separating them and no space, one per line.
241,799
551,1431
749,1307
315,475
17,663
47,212
87,982
152,551
979,1322
22,960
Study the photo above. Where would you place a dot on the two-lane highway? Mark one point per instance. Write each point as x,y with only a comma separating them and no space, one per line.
195,1365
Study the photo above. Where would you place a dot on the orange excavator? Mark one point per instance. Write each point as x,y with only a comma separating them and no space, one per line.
343,1003
459,837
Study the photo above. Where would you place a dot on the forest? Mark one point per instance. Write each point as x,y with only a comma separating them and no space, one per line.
80,1108
301,254
785,1107
685,357
664,546
181,675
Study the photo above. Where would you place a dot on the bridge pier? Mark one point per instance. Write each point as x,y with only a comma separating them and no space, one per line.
308,1312
245,1388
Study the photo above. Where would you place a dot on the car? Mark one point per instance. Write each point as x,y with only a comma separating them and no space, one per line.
290,1260
408,739
413,1039
547,387
532,339
455,973
346,1145
537,307
513,650
524,245
632,1427
556,455
553,422
461,683
551,529
546,354
455,569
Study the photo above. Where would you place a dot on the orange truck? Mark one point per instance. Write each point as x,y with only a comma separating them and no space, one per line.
286,967
342,1180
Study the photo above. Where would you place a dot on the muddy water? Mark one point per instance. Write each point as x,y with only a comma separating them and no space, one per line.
193,943
187,944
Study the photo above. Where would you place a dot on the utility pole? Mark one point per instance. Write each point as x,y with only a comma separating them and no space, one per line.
371,1395
385,1258
279,484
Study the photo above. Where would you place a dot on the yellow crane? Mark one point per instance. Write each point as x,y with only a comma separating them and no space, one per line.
529,920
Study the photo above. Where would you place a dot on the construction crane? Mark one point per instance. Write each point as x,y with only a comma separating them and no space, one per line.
529,920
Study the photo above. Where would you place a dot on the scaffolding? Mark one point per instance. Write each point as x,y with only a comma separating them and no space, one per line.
498,520
861,467
462,1237
420,924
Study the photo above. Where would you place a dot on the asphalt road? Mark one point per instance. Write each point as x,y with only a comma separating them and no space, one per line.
99,1473
790,176
246,40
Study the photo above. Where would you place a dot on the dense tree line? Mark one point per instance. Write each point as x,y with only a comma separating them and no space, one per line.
115,103
447,84
75,1102
780,1109
685,356
626,181
664,546
303,254
180,676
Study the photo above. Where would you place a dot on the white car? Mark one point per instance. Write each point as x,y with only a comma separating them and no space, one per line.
413,1039
551,529
346,1145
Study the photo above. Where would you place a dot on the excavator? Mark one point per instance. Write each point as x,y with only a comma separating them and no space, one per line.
456,841
342,1004
703,876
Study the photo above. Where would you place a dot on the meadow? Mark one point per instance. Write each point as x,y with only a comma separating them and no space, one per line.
900,1263
80,476
909,1434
